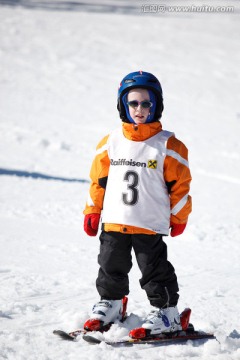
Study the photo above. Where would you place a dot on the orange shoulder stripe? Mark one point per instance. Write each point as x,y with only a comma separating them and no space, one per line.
98,175
178,176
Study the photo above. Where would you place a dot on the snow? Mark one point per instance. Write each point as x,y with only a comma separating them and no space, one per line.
61,63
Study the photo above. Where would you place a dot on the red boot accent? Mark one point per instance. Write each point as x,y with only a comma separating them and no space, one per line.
185,318
93,325
138,333
124,311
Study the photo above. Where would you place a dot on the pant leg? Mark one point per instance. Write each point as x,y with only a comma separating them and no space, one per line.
158,275
115,262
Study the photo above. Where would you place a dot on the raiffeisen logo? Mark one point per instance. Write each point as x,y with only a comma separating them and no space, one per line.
124,162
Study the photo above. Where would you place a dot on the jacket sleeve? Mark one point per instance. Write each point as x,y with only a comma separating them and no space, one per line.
178,177
98,176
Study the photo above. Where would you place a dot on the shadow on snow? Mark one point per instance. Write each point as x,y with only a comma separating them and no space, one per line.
37,175
64,5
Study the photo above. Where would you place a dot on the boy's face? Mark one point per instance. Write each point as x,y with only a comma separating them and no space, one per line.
138,113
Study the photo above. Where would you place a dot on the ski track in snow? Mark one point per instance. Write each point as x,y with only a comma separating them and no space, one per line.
60,70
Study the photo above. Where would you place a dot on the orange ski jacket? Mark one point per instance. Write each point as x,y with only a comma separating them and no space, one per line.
176,172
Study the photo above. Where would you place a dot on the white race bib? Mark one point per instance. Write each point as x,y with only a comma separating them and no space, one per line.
136,192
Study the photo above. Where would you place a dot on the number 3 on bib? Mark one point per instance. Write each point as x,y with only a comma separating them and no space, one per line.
131,197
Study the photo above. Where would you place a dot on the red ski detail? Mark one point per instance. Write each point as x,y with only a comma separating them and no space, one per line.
124,304
185,318
93,325
138,333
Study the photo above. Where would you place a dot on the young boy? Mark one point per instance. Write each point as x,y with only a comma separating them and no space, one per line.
140,187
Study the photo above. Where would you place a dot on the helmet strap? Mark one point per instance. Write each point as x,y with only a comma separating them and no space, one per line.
150,117
124,100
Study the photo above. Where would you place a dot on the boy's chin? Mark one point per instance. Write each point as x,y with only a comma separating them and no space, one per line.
139,121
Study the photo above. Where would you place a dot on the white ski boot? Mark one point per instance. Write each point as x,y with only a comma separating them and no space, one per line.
104,313
161,321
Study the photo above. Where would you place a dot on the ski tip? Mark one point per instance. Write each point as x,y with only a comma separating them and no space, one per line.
64,335
58,332
91,339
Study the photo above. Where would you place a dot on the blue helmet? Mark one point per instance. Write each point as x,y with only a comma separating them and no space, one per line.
144,80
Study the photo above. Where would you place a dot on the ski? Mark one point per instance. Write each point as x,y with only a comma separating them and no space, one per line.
176,338
138,335
72,336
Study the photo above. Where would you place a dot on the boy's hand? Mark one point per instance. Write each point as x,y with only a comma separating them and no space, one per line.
91,222
177,229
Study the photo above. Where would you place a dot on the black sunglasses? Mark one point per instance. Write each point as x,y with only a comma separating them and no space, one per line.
145,104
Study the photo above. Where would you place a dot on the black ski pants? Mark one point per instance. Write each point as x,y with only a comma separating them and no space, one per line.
158,275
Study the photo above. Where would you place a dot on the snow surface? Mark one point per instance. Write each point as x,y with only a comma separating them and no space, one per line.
60,66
